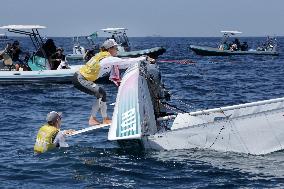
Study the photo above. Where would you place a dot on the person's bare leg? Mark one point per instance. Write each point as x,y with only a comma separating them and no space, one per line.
95,108
103,107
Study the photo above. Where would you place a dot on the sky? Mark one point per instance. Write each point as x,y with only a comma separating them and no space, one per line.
167,18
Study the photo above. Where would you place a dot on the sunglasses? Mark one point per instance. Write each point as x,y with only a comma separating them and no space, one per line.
115,47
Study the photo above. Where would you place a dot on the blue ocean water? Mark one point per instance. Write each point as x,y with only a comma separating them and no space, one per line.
93,162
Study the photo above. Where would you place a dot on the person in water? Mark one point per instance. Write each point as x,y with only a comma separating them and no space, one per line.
49,135
99,66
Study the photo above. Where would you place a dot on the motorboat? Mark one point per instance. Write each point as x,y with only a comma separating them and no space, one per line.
38,66
236,48
38,76
141,120
124,48
79,51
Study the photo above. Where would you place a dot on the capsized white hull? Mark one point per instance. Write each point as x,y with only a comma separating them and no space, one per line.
42,76
253,128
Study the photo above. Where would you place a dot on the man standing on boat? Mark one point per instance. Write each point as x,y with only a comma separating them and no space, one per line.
101,65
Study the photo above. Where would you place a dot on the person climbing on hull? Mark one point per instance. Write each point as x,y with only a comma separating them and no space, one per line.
101,65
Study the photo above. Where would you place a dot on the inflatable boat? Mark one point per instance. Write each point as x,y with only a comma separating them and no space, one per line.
37,68
124,48
236,48
210,51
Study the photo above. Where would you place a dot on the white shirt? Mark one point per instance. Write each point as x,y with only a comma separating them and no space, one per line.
63,65
60,139
122,63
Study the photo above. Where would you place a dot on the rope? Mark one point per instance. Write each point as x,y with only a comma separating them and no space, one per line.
220,131
172,107
185,61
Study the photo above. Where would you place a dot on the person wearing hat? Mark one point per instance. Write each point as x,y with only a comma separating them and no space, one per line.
16,51
49,135
57,58
99,66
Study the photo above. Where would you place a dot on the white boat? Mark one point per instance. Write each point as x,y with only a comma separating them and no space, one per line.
39,76
39,71
253,128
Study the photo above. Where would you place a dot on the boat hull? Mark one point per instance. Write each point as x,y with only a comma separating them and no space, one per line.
209,51
254,128
153,53
42,76
74,56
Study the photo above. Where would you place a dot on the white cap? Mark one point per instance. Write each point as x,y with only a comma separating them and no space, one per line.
109,43
53,116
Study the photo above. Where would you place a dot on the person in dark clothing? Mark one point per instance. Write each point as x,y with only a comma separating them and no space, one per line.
56,58
49,49
16,51
244,46
90,53
238,44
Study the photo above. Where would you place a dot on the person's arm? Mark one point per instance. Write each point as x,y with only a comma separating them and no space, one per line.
122,63
60,138
55,58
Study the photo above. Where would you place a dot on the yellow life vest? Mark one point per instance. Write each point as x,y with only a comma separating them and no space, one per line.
92,68
45,137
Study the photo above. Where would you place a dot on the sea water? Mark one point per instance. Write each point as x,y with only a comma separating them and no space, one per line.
93,162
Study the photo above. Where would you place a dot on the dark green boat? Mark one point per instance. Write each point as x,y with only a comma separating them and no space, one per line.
236,48
210,51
